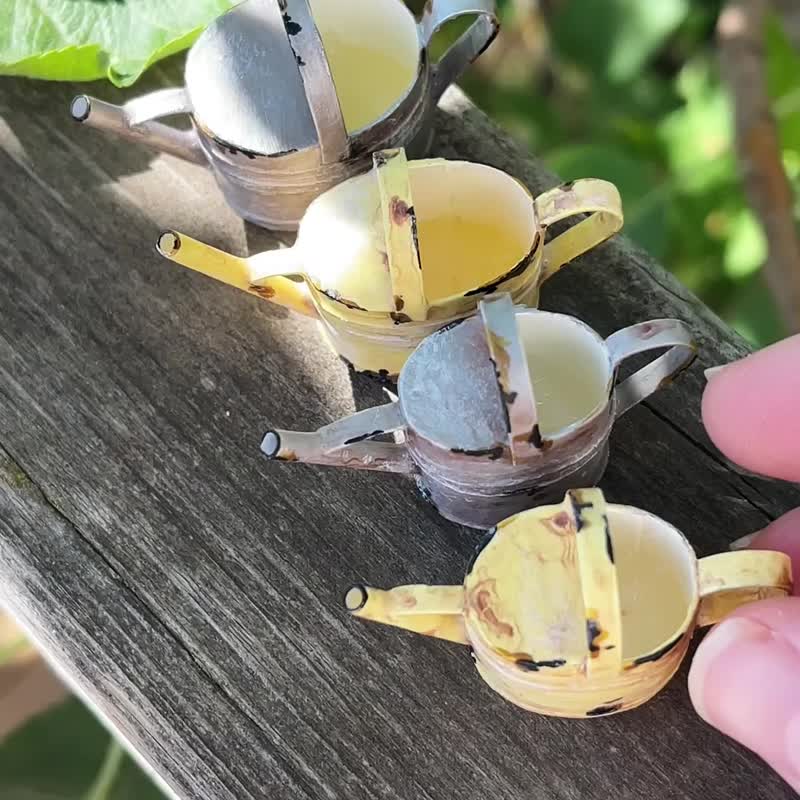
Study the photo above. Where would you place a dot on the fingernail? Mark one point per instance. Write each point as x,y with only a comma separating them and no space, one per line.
712,371
744,542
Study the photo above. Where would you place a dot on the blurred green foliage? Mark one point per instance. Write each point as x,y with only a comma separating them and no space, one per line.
64,754
630,91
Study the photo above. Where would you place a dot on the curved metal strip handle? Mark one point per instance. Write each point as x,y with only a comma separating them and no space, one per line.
345,443
315,72
598,573
468,47
400,235
729,580
654,335
248,274
135,121
513,377
430,610
598,198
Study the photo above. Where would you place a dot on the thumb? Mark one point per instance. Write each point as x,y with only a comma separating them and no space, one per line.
745,678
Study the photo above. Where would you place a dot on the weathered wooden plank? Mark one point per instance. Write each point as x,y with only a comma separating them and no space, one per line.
193,590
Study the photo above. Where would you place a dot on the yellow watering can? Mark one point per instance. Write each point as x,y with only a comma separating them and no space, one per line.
388,257
580,609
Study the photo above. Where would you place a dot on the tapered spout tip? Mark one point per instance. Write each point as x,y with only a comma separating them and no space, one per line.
271,444
355,598
80,108
169,242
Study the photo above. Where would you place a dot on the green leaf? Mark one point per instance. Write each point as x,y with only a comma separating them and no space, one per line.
65,754
644,197
746,247
616,37
699,136
81,40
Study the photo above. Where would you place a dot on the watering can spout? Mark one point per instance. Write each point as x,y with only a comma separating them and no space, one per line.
247,274
135,121
430,610
346,443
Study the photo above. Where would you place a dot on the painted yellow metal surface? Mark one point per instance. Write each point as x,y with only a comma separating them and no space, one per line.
359,250
541,608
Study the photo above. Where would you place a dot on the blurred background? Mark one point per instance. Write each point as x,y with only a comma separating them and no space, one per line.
628,90
632,91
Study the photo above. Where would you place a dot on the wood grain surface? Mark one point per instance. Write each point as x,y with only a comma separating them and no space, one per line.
192,590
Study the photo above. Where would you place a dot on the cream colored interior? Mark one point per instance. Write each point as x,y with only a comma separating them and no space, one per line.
475,223
657,575
373,51
568,366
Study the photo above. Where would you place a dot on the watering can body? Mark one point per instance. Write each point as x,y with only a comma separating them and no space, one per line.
273,91
467,425
580,609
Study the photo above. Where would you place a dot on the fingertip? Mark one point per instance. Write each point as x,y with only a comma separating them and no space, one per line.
750,410
782,535
743,681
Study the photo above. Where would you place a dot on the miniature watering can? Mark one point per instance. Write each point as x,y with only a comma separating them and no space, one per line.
390,256
501,412
291,97
580,609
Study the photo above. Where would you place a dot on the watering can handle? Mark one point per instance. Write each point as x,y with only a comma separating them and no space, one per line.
469,46
654,335
136,121
600,199
513,375
399,228
315,72
729,580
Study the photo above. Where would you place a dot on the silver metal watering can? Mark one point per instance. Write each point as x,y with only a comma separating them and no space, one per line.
291,97
501,412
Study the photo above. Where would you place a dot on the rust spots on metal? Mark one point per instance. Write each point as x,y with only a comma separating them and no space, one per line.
515,272
234,150
658,654
609,543
398,303
481,598
400,210
267,292
363,437
560,524
538,441
578,509
606,709
292,28
528,665
400,318
494,453
594,634
666,381
332,294
449,326
408,600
